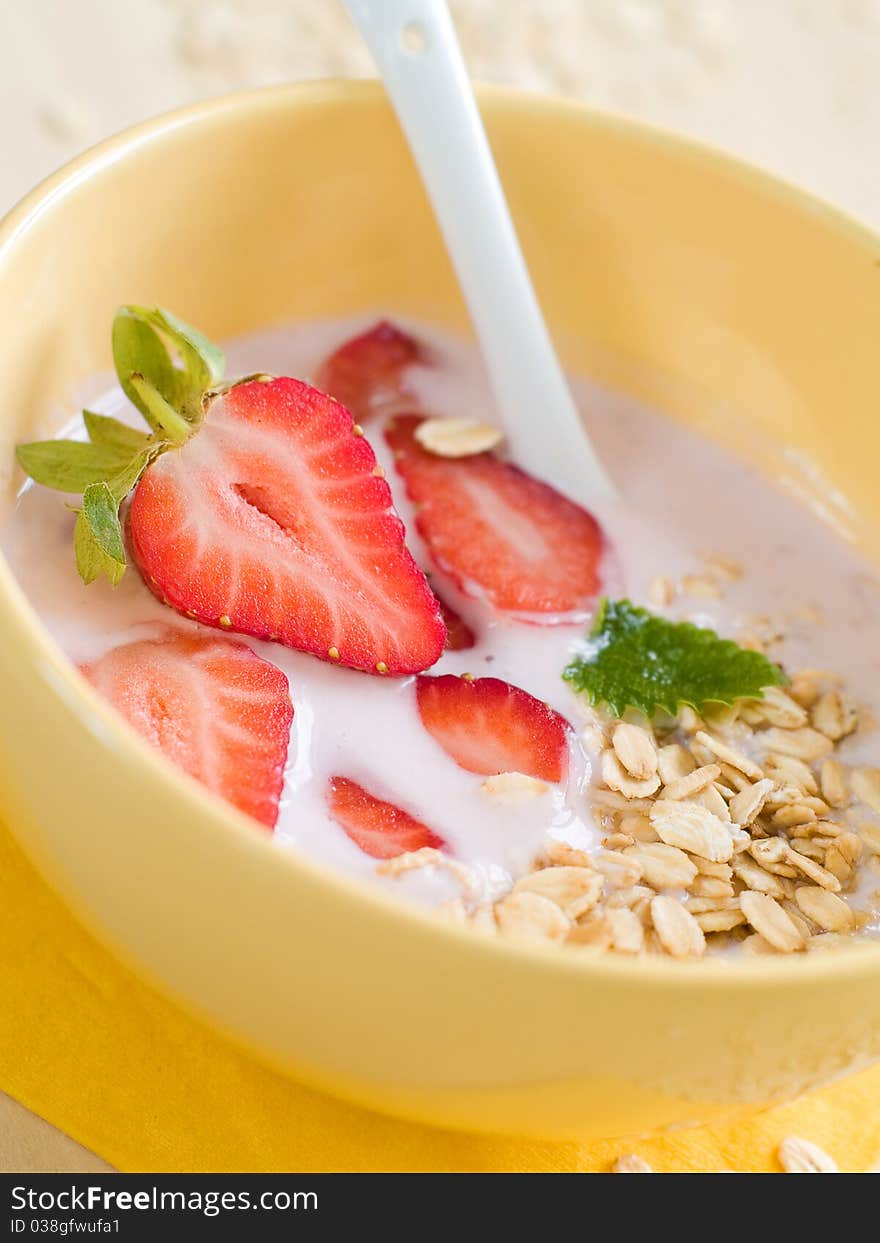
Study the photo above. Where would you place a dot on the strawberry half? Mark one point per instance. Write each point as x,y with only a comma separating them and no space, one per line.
213,708
488,726
366,373
380,829
257,506
274,520
498,532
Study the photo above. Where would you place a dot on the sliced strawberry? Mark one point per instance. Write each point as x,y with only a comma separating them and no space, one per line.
459,636
212,706
498,532
488,726
367,372
380,829
274,520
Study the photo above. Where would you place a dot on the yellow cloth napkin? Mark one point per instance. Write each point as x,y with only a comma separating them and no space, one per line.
88,1047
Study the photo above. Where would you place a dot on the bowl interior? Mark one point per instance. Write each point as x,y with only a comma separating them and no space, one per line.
711,292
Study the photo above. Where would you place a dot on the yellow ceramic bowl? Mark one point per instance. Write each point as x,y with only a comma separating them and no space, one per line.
673,273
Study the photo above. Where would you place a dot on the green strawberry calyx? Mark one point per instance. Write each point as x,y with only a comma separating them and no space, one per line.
170,373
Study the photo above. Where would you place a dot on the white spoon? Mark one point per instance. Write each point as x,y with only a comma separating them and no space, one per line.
416,50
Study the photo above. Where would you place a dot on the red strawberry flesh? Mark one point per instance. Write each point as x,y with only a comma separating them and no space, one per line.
459,636
367,372
498,532
211,706
380,829
488,726
273,520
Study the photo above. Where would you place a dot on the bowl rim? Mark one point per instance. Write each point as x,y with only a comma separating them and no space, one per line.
46,658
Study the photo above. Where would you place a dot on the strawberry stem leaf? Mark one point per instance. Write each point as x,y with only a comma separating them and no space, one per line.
158,412
97,536
123,482
107,467
138,349
140,346
104,430
203,360
635,659
70,465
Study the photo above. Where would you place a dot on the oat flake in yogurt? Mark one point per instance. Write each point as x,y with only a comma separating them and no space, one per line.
470,778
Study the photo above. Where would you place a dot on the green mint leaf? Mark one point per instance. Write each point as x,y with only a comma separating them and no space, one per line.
104,430
70,465
138,349
97,536
635,659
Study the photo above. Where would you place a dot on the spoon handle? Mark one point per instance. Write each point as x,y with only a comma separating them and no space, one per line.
416,50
